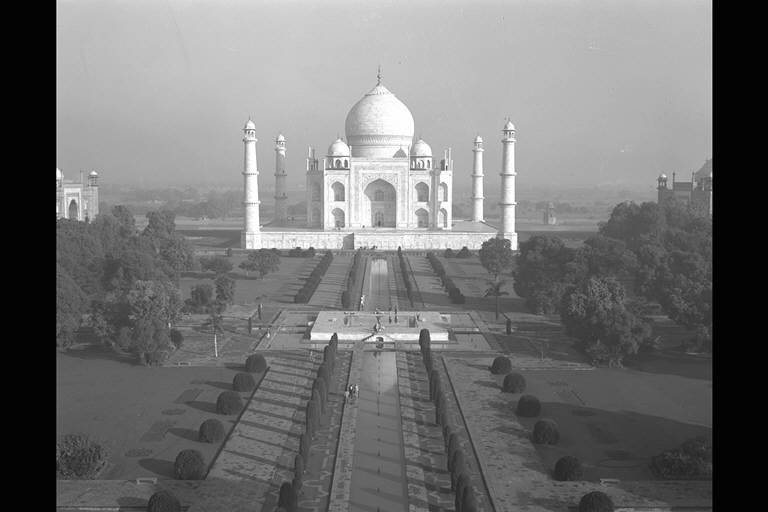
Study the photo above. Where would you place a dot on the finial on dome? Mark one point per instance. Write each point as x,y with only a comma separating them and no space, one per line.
378,75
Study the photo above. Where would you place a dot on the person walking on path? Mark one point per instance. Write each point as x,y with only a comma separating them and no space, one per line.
357,390
346,395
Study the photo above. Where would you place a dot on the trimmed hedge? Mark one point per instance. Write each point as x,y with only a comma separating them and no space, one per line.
304,445
528,406
354,271
228,403
298,464
501,365
545,431
163,501
79,457
243,382
693,459
596,501
288,498
211,431
306,291
568,469
189,465
464,253
255,363
463,483
453,291
407,277
513,383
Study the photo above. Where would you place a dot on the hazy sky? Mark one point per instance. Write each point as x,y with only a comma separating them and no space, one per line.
600,91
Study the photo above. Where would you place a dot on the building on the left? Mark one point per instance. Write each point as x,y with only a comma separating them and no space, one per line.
77,200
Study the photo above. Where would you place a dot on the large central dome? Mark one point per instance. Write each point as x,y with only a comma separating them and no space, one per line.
378,125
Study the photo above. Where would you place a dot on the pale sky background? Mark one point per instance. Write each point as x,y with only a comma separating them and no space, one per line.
601,92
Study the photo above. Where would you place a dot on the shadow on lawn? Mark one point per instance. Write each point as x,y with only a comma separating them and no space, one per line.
202,406
163,468
226,386
185,433
102,352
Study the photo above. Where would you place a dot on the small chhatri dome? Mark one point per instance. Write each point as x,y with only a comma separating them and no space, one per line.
662,176
338,148
478,139
421,148
93,174
509,126
280,138
59,174
250,125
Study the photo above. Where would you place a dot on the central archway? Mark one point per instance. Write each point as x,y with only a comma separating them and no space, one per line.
380,205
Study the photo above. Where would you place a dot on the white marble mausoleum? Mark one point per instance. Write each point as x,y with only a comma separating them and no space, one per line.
378,187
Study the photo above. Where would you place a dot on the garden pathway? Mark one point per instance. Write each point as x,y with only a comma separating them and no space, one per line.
328,292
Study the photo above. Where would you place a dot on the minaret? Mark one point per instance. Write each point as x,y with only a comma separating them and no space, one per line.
477,181
281,206
251,238
507,203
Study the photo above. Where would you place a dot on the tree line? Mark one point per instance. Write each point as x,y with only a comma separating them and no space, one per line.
123,280
650,253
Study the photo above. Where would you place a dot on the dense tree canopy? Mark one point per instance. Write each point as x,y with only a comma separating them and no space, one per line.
496,256
661,254
262,261
595,314
544,268
105,268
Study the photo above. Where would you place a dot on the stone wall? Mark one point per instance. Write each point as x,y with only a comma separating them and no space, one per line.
386,240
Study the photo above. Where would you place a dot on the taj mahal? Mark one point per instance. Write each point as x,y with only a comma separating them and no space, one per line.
378,188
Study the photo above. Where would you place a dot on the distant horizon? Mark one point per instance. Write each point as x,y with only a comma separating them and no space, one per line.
604,92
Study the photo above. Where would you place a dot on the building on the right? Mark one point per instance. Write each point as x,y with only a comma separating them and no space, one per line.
697,193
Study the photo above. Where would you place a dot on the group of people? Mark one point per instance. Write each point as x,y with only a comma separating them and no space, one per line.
352,391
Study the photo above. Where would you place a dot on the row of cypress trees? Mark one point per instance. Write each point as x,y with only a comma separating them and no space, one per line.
316,408
461,483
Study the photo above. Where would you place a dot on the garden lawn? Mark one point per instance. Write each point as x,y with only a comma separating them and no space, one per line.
280,286
144,416
613,420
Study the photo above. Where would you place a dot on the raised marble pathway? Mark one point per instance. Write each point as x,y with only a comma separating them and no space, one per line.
341,484
328,292
266,439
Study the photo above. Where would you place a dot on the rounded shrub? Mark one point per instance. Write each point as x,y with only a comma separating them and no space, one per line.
243,382
255,363
568,469
78,456
545,431
501,365
528,406
229,402
176,338
211,431
513,383
596,501
189,465
163,501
